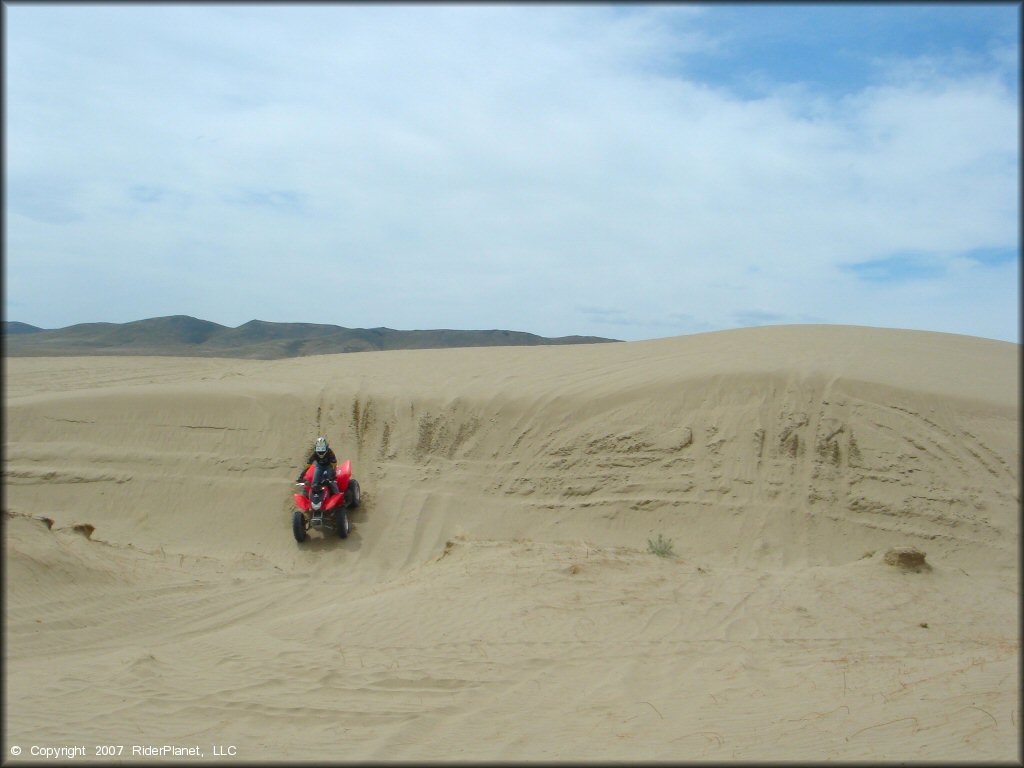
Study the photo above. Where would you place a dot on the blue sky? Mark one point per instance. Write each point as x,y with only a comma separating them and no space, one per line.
632,171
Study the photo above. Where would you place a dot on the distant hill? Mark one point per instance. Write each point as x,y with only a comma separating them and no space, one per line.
183,336
11,326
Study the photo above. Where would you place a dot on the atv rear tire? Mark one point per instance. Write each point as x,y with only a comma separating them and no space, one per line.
299,526
341,523
352,496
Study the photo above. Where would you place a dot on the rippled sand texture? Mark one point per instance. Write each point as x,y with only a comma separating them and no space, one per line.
497,598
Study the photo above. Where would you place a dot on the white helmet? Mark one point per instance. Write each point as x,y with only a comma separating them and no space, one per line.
321,446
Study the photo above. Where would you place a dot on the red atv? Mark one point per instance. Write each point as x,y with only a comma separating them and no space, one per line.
319,508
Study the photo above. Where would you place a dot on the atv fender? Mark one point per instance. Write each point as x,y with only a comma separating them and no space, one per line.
343,474
335,500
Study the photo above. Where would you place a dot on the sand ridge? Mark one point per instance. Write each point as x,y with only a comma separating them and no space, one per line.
496,598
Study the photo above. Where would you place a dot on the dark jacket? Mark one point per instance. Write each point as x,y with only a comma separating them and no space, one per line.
329,460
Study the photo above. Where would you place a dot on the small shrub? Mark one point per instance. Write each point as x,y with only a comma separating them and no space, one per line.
907,558
661,546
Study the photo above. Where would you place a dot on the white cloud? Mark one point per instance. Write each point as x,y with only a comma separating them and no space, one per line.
484,166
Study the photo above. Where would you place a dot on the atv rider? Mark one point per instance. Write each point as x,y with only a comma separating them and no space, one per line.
325,463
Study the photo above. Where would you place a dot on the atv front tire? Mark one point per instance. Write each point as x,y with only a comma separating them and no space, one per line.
299,526
341,522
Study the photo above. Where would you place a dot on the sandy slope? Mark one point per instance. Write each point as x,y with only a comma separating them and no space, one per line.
496,599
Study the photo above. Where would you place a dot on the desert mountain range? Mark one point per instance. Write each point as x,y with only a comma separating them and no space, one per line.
181,335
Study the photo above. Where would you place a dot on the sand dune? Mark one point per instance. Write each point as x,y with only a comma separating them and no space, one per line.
496,599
